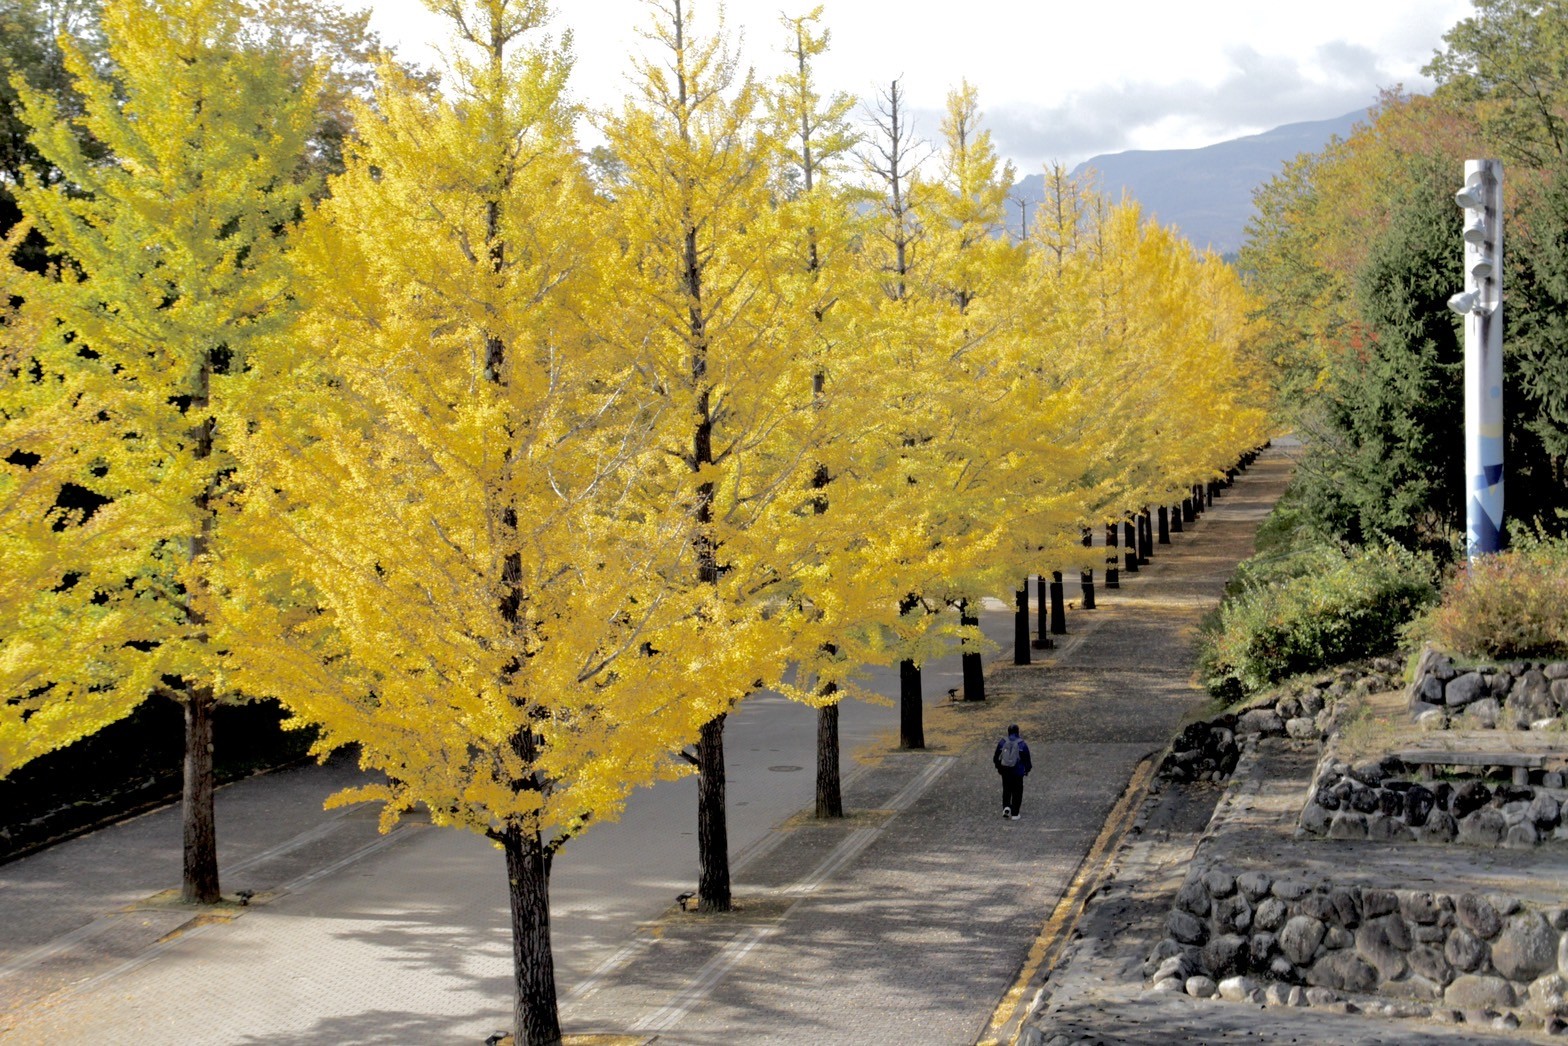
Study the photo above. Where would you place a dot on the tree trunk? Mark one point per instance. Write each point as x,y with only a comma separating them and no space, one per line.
536,1019
1086,588
1163,522
200,885
974,670
830,797
1021,625
1130,546
1113,577
911,729
713,843
1145,537
1042,612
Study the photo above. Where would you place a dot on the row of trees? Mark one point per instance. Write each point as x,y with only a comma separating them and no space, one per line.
518,465
1355,252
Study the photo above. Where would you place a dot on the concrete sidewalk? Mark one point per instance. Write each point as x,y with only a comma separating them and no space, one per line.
908,922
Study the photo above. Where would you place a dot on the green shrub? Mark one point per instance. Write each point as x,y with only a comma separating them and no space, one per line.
1513,604
1326,607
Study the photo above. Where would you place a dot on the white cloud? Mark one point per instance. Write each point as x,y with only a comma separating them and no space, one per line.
1057,80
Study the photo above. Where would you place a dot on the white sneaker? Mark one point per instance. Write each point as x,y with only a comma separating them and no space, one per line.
1007,812
1017,816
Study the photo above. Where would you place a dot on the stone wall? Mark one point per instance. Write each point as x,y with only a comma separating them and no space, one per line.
1460,953
1377,800
1501,804
1513,695
1207,750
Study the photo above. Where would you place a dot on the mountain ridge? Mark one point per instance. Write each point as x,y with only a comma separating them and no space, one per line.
1206,192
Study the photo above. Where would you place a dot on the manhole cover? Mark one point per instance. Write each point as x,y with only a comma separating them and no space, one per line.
784,769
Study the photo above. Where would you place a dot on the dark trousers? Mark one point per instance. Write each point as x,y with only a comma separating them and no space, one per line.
1013,791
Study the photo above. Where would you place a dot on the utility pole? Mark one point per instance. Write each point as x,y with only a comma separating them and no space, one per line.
1481,304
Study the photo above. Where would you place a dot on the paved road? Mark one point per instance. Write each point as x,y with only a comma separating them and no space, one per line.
907,922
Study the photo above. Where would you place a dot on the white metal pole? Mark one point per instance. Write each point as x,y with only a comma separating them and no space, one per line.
1484,362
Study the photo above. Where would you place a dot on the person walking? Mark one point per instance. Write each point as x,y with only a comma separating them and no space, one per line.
1012,762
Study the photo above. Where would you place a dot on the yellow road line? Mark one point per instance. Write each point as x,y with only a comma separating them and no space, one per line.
1054,935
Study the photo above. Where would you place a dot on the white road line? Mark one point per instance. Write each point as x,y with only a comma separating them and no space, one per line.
715,969
397,834
711,974
769,842
912,791
842,854
321,831
48,950
759,849
157,948
595,980
147,955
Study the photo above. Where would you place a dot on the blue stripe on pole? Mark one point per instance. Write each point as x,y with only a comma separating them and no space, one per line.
1484,535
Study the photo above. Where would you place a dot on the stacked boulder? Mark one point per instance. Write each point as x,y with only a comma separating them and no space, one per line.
1375,799
1207,750
1514,695
1463,953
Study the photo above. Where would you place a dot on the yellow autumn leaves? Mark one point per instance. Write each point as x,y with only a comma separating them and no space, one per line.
515,473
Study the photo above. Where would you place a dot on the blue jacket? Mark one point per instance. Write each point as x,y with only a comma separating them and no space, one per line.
1024,763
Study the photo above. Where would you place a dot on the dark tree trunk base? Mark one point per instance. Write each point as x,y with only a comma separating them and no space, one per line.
713,844
973,668
1021,625
911,719
536,1019
200,879
830,796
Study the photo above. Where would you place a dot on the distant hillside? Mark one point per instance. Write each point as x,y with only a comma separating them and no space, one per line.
1206,193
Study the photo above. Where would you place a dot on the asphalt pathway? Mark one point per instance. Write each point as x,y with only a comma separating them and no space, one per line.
908,922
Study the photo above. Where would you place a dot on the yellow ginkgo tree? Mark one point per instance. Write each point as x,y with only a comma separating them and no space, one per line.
718,315
445,534
822,279
171,266
945,326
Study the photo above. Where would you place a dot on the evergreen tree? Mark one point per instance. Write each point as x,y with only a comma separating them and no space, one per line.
1388,459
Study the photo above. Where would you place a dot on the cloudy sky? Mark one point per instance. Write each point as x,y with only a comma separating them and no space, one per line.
1058,80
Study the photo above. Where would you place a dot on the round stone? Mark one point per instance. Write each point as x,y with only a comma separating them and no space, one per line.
1225,954
1549,996
1270,915
1254,885
1186,927
1526,947
1300,938
1464,950
1237,989
1219,884
1472,992
1485,827
1193,898
1200,987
